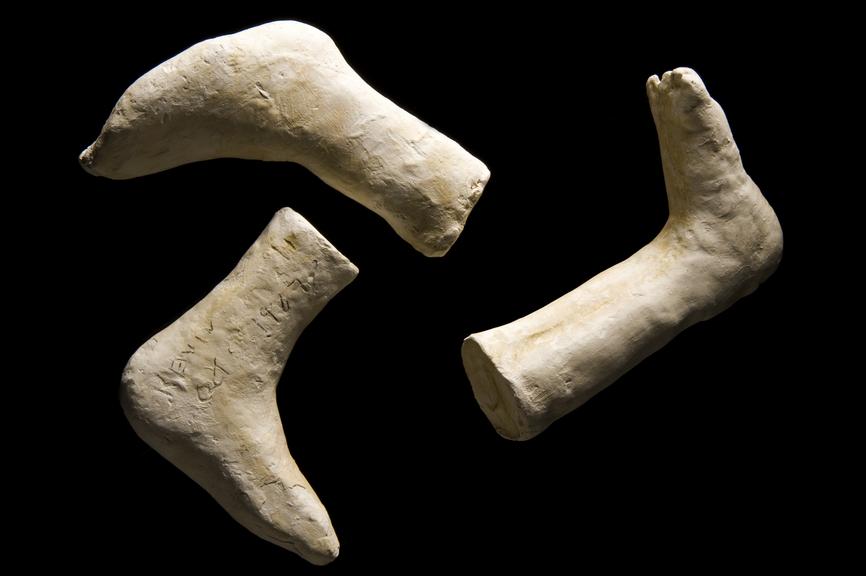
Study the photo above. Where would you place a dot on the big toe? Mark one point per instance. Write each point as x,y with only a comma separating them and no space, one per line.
298,522
321,551
684,88
682,99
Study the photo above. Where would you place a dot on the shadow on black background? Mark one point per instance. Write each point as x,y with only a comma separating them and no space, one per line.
685,457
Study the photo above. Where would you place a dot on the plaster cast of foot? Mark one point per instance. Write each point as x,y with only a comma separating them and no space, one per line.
202,391
720,242
282,91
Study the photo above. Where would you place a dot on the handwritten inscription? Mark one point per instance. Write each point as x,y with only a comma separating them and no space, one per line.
173,382
217,373
265,330
264,311
205,391
209,331
178,366
299,283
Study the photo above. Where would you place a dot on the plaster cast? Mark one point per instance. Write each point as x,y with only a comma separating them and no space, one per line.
283,92
202,391
720,242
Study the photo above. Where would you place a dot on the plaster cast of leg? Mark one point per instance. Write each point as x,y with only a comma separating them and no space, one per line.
202,391
720,242
282,91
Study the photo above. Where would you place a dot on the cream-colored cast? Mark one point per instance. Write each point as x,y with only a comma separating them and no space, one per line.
282,91
203,391
720,242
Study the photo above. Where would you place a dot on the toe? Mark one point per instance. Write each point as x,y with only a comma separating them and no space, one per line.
687,81
682,80
684,74
322,551
297,521
665,83
685,92
652,86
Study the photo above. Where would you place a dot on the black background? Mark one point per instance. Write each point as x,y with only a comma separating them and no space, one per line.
688,459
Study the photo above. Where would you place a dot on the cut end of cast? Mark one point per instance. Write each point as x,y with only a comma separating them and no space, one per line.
436,242
498,396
